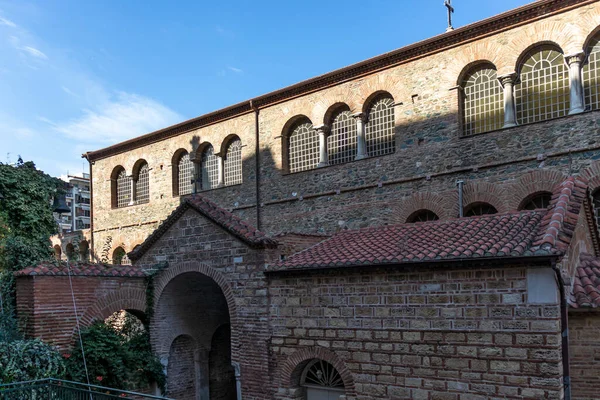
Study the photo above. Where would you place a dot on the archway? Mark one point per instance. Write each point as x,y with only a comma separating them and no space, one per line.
322,381
84,251
57,252
192,317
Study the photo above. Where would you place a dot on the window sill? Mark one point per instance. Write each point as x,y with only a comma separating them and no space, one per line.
369,158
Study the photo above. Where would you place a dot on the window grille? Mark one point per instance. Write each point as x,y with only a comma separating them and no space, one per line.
303,148
233,163
321,373
341,143
483,102
543,92
423,216
379,131
591,76
210,169
596,203
123,189
185,174
480,209
142,185
541,200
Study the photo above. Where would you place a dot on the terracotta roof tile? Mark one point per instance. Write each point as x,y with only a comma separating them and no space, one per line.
225,219
83,269
585,290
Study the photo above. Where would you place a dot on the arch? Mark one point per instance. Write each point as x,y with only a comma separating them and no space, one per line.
443,206
120,187
182,170
119,256
128,298
182,379
531,182
333,110
296,363
70,252
479,208
137,167
300,145
342,140
164,277
481,98
232,160
380,129
209,167
536,201
591,71
57,252
141,178
84,251
422,215
542,91
485,192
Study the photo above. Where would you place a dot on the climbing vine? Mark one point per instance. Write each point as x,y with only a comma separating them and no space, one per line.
151,274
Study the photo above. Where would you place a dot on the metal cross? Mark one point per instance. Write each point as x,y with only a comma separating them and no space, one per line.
448,4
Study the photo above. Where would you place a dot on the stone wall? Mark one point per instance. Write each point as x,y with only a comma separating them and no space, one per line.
585,354
431,153
421,334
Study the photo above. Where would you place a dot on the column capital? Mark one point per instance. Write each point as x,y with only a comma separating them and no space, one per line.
361,116
575,58
508,78
321,129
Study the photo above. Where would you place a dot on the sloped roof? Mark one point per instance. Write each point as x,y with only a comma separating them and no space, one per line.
56,268
221,217
513,234
586,283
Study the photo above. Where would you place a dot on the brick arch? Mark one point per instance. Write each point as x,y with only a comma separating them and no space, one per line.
167,275
333,110
392,83
437,203
485,192
294,365
341,94
529,184
592,174
469,56
589,23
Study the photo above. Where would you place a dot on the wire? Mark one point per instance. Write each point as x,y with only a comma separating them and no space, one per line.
87,375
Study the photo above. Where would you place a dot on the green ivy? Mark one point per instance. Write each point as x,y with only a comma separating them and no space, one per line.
25,360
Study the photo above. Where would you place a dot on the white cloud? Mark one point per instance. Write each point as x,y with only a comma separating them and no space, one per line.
7,22
236,70
69,91
126,116
34,52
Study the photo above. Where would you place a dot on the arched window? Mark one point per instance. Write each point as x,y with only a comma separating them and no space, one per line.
475,209
341,143
422,216
543,91
379,133
57,252
121,188
233,163
536,201
591,75
84,250
303,147
482,100
70,251
183,173
210,168
142,183
322,381
596,204
120,257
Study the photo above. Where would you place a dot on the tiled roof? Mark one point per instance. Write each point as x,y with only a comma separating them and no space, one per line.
82,269
223,218
513,234
586,283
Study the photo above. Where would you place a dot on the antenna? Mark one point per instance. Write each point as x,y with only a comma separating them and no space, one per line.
448,4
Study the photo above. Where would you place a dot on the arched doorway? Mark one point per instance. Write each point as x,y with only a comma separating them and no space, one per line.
322,381
192,327
84,251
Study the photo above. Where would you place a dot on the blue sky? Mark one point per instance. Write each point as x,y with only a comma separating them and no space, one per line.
81,75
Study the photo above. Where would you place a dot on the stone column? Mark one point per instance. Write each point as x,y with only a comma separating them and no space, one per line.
510,116
323,131
131,190
575,83
361,141
221,171
196,159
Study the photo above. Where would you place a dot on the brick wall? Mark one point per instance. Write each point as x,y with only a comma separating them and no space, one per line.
437,334
585,354
181,380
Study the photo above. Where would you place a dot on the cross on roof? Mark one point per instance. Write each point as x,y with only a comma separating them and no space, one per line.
448,4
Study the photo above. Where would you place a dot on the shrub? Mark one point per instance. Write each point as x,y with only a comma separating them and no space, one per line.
24,360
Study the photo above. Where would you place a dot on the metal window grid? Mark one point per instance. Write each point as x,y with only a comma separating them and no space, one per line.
123,189
481,209
591,76
539,201
483,102
341,143
185,174
303,148
210,169
596,203
424,216
142,185
543,92
379,132
322,373
233,163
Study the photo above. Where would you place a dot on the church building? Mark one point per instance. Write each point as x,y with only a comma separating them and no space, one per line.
420,225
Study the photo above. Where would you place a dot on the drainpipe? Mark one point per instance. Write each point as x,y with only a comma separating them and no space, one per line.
91,248
238,379
460,184
257,159
564,329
